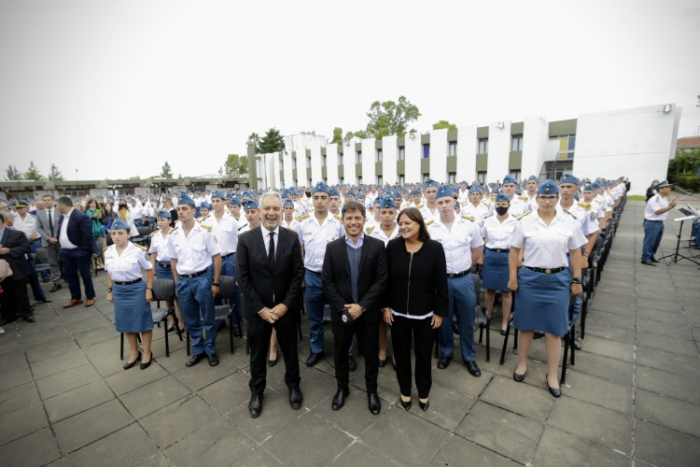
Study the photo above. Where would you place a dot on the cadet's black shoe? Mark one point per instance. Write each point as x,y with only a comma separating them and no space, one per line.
29,318
444,362
373,402
339,398
473,369
577,345
213,359
295,398
352,366
55,288
314,358
648,263
196,358
255,405
654,260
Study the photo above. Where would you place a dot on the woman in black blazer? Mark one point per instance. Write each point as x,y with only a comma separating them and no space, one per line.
416,302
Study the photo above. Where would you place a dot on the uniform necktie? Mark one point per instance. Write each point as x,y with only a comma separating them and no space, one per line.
271,251
51,223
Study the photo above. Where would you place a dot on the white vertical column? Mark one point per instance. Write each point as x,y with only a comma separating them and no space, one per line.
332,164
369,159
535,139
390,151
316,172
438,155
301,165
414,153
287,164
499,151
349,156
466,153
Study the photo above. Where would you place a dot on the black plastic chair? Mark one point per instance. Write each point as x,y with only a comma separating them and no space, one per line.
228,284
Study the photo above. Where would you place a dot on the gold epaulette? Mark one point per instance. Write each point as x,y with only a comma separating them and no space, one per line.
585,206
302,217
523,198
469,218
429,222
338,217
140,246
208,229
369,229
523,214
204,218
568,213
419,206
153,233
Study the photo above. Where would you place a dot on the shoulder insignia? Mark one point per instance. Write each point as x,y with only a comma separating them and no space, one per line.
204,218
429,222
419,206
338,217
153,233
586,206
485,202
569,213
208,229
369,229
302,217
523,198
469,218
173,229
139,246
523,214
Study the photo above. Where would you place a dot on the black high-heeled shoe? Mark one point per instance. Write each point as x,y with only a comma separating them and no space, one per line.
145,365
424,405
405,404
128,365
556,392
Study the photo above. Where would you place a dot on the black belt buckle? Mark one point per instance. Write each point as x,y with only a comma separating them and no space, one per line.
125,283
456,275
196,274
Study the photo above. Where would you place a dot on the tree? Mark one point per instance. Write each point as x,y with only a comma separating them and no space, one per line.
391,118
166,171
271,142
55,174
254,140
235,165
444,124
337,135
32,172
12,173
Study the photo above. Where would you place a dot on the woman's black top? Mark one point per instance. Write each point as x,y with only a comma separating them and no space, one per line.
418,281
650,193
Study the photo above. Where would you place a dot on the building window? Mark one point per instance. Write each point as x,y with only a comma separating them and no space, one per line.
483,147
294,164
516,175
340,159
323,161
308,162
402,154
309,183
359,180
359,158
452,149
452,178
516,143
426,177
342,180
426,151
402,180
481,177
380,155
380,180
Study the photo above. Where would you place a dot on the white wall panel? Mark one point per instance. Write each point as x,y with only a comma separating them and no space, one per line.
332,164
369,159
316,173
438,155
466,153
499,152
391,152
535,138
414,153
350,155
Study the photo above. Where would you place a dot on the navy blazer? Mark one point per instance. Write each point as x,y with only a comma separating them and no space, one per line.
79,231
19,247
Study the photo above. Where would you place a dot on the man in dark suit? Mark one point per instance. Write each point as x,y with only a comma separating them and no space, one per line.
14,248
47,225
77,247
355,275
270,271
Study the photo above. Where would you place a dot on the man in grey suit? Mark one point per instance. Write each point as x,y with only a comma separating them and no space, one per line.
47,225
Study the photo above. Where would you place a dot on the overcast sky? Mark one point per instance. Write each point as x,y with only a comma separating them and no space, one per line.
115,87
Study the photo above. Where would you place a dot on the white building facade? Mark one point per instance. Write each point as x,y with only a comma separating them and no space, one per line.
635,143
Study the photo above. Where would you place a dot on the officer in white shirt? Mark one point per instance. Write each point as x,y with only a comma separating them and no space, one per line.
192,248
655,213
429,210
387,228
288,220
315,232
462,242
475,207
252,216
517,205
531,191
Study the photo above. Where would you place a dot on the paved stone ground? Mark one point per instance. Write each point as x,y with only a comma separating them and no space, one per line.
631,398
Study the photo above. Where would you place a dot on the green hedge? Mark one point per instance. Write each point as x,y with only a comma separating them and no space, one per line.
688,181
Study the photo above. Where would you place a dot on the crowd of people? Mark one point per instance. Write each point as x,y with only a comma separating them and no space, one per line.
366,259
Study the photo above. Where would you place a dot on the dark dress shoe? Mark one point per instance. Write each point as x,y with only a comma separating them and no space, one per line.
45,300
503,332
213,359
29,318
537,335
352,366
339,398
519,378
55,288
272,363
577,345
128,365
654,260
145,365
424,405
373,402
556,392
255,405
196,358
473,369
405,404
314,358
295,398
72,303
89,302
648,263
443,362
382,363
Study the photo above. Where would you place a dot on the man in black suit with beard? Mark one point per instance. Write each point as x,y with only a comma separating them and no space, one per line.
14,248
270,270
355,274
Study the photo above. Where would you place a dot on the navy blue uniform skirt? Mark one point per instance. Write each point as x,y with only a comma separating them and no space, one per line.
542,301
132,313
163,271
495,274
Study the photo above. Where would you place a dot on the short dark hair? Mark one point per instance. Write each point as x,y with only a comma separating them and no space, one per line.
47,194
415,215
65,200
2,217
353,206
